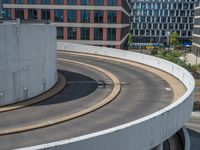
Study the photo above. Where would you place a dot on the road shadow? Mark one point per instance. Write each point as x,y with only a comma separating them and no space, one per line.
77,86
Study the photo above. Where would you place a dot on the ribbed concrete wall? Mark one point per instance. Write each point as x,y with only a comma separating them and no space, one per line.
27,61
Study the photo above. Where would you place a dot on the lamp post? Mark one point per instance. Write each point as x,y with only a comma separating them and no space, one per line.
168,39
197,53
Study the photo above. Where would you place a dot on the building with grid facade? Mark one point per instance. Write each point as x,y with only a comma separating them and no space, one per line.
152,19
196,32
95,22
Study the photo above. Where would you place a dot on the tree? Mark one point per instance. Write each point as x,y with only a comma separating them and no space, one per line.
174,39
130,38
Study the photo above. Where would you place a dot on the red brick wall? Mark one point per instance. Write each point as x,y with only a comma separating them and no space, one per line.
52,12
12,10
121,18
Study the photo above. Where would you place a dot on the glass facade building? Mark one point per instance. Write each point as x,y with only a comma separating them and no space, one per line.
80,21
196,32
152,19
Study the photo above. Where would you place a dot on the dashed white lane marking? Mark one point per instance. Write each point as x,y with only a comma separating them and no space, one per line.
168,89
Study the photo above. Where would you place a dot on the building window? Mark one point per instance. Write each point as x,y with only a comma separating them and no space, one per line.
58,2
98,16
85,33
60,33
71,33
112,16
32,14
46,2
71,2
19,13
112,2
45,14
85,16
7,13
99,2
59,15
111,34
98,34
19,1
32,1
7,2
85,2
71,15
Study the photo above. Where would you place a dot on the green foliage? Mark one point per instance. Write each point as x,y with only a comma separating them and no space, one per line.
198,83
154,52
172,56
196,68
174,39
130,38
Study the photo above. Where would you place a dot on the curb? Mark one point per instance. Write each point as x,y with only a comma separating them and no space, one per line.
178,88
116,90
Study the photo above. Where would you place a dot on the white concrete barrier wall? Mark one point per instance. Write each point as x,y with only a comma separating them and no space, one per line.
144,133
27,60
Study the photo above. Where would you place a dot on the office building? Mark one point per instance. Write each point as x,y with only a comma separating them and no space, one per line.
151,20
196,34
95,22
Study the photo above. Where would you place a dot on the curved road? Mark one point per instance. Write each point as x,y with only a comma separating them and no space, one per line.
142,93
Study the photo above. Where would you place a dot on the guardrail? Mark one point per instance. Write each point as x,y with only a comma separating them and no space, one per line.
144,133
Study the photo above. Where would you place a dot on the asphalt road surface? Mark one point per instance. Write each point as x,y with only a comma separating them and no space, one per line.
142,93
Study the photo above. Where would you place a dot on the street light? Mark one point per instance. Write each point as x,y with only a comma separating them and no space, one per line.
197,53
168,39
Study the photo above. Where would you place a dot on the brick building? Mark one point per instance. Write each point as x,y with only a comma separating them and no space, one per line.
96,22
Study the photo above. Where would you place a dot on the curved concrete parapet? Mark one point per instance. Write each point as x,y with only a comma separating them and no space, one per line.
27,61
142,134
